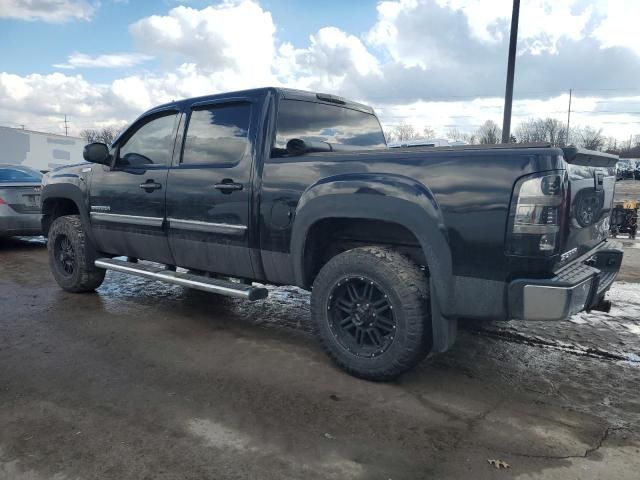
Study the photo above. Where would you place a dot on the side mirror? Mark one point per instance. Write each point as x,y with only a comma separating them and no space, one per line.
97,153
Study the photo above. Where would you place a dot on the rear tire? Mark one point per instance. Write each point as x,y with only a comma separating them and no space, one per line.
371,311
70,263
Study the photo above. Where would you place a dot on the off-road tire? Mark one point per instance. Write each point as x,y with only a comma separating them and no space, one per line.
84,277
407,290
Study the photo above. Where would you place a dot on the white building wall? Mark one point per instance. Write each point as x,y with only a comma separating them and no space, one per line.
40,151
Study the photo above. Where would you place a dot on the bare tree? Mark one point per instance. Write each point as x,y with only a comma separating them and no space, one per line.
428,132
591,139
90,135
105,135
455,135
489,133
108,135
548,130
402,133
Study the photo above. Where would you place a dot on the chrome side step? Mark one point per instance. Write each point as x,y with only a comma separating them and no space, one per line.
197,282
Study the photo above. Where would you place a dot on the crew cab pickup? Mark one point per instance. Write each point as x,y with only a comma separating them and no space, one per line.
278,186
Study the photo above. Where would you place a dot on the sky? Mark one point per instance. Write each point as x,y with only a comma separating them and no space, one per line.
436,63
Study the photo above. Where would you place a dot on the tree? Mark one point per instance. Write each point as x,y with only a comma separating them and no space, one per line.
489,133
90,135
108,135
456,135
402,133
591,139
105,135
428,132
548,130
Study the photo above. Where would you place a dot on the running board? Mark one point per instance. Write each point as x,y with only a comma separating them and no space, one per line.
153,272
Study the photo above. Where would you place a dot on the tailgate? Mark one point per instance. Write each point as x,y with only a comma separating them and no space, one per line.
22,197
592,180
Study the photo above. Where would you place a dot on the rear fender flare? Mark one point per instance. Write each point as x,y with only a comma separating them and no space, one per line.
385,197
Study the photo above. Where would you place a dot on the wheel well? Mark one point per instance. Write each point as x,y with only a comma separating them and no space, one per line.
331,236
53,208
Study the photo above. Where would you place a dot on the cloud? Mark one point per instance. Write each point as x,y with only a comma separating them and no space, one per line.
429,62
234,37
619,27
109,60
54,11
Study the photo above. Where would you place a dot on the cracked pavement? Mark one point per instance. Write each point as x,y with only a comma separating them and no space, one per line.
145,380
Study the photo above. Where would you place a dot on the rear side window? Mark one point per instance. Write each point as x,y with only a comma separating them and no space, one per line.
15,175
151,144
326,123
218,134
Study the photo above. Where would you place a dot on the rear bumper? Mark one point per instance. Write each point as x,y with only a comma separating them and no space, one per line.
12,223
576,287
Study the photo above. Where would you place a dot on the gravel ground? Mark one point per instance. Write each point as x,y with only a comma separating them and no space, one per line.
145,380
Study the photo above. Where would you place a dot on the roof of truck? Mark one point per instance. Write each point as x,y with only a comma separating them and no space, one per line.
289,93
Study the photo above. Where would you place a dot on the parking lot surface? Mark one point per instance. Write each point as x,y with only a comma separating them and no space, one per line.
145,380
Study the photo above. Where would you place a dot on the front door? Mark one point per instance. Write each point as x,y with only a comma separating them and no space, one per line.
209,191
127,201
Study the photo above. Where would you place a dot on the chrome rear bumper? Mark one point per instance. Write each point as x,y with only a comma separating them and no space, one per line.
576,287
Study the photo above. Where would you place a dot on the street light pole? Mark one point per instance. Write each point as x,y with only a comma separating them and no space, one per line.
511,66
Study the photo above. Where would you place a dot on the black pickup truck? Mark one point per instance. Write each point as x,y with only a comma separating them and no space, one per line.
278,186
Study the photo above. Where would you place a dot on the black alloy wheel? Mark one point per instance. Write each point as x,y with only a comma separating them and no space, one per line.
361,316
65,254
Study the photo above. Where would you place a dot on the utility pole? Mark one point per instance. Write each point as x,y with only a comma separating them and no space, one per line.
511,66
66,126
569,116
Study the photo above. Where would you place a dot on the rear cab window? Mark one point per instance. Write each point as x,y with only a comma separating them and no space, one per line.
217,135
335,124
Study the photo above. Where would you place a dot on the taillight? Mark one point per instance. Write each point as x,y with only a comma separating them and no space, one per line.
2,202
536,215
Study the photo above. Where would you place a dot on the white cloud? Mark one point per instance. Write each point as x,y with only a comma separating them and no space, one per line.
620,25
234,37
54,11
109,60
412,64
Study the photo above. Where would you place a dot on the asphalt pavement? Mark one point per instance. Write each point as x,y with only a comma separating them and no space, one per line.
143,380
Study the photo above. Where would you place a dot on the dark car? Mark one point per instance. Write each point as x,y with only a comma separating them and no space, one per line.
20,189
287,187
625,170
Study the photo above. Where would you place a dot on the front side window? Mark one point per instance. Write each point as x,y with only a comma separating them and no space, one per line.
218,134
10,175
334,124
151,144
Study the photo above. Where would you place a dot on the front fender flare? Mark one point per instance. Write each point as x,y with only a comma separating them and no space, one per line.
69,192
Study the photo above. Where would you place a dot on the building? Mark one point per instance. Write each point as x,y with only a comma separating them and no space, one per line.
38,150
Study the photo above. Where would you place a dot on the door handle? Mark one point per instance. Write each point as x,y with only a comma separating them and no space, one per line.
227,186
149,186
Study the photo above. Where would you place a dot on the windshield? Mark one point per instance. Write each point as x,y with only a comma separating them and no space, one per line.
326,123
18,175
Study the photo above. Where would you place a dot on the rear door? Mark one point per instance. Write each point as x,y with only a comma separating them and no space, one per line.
127,201
209,190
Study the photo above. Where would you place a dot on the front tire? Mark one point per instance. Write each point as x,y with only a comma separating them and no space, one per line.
70,263
371,310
